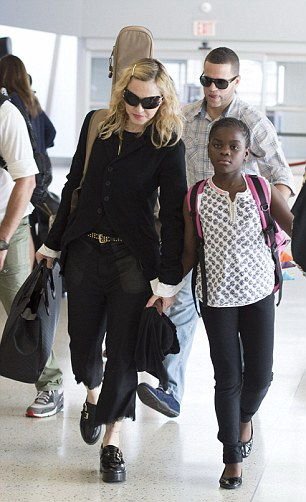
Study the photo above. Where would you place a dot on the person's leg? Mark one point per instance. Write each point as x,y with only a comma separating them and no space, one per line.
184,316
127,293
16,270
222,330
256,325
17,266
86,312
51,377
86,327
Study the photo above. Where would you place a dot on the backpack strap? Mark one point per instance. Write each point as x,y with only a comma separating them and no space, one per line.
262,198
3,98
192,203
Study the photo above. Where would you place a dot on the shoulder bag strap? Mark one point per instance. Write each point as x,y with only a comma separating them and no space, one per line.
97,117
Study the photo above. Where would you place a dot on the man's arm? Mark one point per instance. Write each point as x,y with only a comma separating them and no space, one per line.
15,210
268,153
284,190
18,202
16,150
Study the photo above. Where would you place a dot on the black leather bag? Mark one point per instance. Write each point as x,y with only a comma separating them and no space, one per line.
30,328
298,244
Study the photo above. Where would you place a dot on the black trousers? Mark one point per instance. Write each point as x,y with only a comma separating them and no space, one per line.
106,293
238,395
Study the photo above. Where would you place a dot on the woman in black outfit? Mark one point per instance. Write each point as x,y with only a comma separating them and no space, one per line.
111,254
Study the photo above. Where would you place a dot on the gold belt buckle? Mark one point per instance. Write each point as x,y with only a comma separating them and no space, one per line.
103,239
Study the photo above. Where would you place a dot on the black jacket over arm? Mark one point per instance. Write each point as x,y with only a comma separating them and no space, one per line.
124,187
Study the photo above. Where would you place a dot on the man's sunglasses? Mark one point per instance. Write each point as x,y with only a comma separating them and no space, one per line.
220,83
147,103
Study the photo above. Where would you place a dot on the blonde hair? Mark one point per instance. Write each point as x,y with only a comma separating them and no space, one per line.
167,123
14,77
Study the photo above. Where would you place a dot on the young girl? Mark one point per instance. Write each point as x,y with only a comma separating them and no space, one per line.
240,282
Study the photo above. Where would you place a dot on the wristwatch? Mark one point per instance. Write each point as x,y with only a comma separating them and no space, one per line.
4,245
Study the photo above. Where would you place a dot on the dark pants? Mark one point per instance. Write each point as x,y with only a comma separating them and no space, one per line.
238,396
106,292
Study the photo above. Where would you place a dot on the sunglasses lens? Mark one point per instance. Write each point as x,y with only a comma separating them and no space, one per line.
150,103
205,81
220,83
130,98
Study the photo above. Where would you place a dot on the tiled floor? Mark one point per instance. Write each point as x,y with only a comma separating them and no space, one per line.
177,460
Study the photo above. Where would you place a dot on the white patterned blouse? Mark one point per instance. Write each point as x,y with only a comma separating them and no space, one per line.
239,264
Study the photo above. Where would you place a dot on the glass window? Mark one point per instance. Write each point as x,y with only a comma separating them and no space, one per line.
100,84
38,52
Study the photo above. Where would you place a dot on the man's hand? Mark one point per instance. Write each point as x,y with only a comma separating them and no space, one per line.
3,254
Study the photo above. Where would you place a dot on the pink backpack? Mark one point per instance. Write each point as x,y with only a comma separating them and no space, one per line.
275,237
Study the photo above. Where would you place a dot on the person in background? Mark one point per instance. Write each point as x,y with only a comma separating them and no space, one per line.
240,281
220,80
17,82
45,133
111,256
14,78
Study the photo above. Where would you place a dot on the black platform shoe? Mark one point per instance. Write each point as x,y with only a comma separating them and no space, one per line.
90,433
230,483
246,446
112,465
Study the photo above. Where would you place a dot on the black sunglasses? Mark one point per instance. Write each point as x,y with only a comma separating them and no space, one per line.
220,83
147,103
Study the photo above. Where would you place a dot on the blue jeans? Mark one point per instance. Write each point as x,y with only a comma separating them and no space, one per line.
184,315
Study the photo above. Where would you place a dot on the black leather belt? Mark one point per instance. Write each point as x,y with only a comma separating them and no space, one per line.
103,239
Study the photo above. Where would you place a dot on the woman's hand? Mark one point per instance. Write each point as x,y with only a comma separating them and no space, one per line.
161,303
40,257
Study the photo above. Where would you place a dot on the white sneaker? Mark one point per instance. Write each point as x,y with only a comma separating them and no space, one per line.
46,403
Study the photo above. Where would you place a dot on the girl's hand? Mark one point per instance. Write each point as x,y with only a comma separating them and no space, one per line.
161,303
40,257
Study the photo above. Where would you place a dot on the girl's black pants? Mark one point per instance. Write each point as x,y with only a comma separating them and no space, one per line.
239,391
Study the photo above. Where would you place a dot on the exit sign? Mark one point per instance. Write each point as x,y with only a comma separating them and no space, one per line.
204,28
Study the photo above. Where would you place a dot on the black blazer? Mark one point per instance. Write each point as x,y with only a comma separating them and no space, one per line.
124,187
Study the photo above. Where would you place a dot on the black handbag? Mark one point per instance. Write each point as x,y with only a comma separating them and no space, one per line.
30,327
298,244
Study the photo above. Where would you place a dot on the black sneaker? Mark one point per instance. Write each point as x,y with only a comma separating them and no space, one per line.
112,465
46,404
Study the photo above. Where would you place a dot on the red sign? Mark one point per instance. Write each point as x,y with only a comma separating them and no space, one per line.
204,28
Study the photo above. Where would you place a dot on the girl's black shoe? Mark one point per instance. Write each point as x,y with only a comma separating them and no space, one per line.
246,447
90,433
112,465
230,483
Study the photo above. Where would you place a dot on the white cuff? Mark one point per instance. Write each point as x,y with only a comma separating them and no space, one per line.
49,252
165,290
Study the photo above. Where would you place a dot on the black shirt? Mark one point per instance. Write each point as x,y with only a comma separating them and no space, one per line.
118,147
